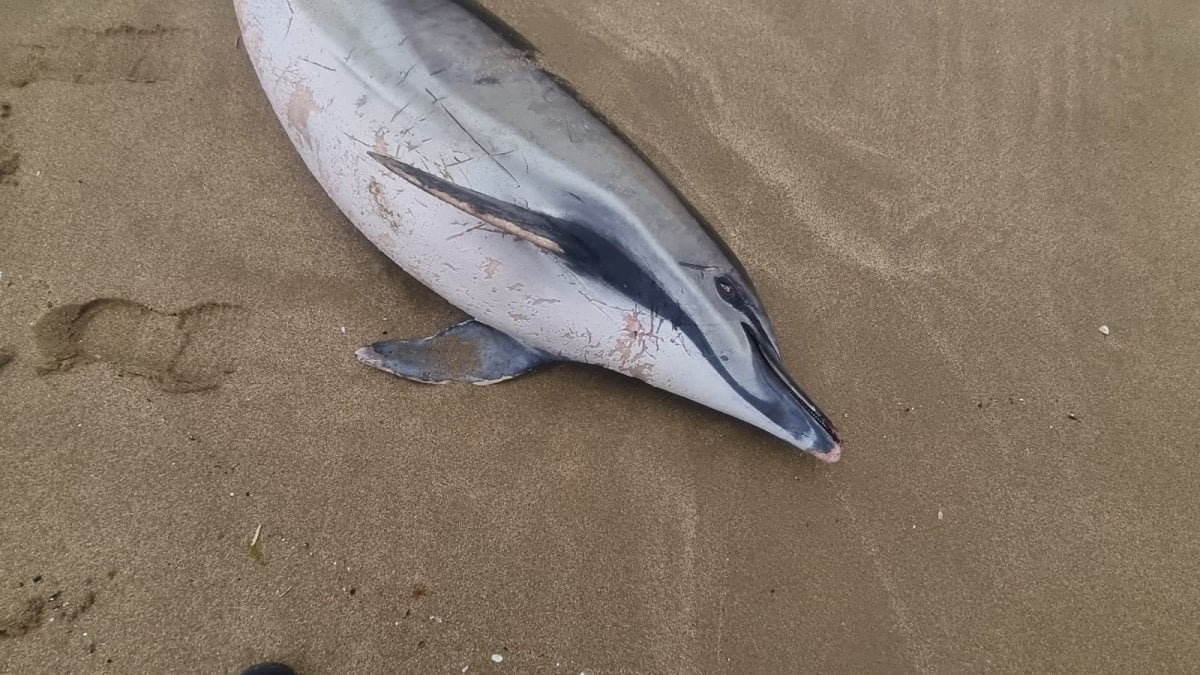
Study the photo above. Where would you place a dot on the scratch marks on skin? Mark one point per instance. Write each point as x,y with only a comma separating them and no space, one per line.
356,140
473,228
590,343
398,113
456,162
319,65
291,18
491,155
679,340
599,304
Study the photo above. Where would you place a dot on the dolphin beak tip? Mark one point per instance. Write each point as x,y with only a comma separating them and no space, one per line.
830,457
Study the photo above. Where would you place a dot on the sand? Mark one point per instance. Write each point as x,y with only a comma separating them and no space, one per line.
941,204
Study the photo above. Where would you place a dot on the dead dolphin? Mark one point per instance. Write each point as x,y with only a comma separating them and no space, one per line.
432,127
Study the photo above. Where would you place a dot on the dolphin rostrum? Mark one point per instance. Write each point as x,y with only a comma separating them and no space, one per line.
434,129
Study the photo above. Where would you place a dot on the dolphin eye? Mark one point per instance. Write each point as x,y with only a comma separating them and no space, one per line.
727,290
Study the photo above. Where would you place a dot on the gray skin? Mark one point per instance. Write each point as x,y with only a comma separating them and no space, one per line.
545,168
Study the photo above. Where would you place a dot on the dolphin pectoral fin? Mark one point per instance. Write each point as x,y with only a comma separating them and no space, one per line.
536,228
465,352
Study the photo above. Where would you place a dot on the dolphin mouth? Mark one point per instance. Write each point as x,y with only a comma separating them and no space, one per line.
770,355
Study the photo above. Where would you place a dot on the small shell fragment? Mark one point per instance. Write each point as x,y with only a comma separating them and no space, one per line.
496,658
1104,329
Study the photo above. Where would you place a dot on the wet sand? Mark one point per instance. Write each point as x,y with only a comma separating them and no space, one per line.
941,205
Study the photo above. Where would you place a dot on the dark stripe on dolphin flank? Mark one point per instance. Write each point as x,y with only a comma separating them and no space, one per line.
532,56
588,253
584,250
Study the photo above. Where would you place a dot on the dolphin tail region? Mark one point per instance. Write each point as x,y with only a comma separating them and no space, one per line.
465,352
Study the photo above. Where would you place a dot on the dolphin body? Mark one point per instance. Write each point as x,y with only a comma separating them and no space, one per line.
486,178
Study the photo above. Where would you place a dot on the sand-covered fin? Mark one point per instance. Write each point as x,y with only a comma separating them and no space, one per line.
466,352
508,218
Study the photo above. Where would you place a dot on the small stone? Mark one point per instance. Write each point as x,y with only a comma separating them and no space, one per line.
939,515
496,658
1104,330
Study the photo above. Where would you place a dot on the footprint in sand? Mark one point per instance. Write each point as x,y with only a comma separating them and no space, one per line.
10,159
122,53
183,351
42,603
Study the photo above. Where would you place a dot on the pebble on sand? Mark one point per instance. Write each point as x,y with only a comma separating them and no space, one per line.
1104,329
